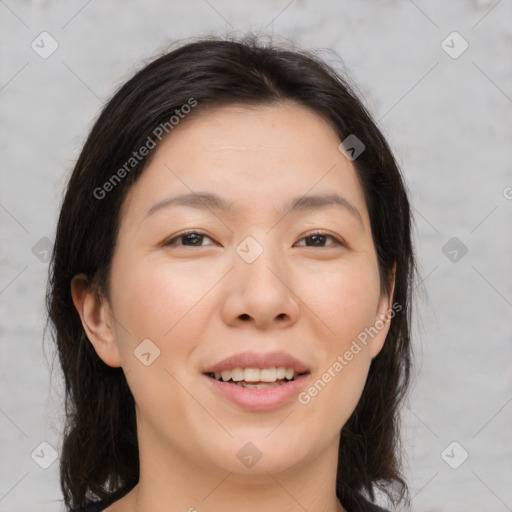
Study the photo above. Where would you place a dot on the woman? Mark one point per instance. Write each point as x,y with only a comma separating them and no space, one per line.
230,291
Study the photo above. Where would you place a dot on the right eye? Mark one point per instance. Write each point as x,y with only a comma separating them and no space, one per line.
191,238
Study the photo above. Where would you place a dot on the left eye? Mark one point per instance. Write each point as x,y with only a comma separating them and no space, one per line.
318,238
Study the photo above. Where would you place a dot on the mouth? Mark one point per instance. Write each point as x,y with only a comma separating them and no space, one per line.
257,378
255,381
257,395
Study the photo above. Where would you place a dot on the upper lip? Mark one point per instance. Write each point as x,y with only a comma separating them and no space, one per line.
258,360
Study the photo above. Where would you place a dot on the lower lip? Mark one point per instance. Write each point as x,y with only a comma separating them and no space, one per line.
265,399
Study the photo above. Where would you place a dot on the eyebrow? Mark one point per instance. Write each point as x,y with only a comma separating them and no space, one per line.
208,201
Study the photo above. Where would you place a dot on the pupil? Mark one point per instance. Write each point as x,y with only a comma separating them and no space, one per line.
315,237
193,235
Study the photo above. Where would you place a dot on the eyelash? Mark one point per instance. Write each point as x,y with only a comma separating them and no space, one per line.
170,242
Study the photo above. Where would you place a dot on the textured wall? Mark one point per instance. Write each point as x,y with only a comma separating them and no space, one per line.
447,112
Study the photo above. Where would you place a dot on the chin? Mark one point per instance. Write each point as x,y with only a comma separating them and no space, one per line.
257,453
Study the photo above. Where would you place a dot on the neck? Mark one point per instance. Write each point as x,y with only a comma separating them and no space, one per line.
171,480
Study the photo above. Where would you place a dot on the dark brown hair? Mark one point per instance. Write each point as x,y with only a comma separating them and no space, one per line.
100,450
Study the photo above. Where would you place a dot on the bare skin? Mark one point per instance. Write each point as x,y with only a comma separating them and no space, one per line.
199,301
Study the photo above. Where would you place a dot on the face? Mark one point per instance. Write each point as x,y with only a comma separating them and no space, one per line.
194,282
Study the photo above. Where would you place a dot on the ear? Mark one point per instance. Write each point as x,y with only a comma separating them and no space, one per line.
97,319
385,312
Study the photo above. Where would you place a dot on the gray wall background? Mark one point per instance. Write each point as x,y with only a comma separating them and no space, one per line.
448,117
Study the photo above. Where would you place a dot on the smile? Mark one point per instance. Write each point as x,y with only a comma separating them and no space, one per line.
257,395
257,378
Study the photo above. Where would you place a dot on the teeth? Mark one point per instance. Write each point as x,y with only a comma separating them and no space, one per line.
252,374
244,375
268,375
237,374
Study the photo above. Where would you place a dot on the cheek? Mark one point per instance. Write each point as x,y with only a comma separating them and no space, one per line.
169,305
156,302
165,306
346,302
335,391
344,299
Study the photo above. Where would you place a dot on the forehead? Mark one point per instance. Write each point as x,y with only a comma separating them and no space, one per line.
255,156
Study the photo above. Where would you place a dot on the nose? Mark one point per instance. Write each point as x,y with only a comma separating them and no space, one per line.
261,293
